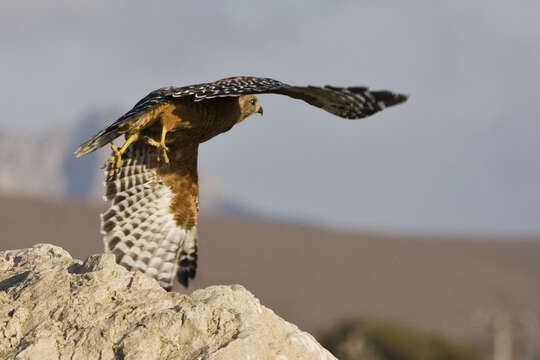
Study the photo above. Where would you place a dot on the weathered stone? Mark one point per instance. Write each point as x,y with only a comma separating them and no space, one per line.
56,307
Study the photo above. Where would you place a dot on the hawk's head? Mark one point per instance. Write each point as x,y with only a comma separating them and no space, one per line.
249,104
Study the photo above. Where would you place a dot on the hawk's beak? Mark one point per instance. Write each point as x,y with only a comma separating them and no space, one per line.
260,111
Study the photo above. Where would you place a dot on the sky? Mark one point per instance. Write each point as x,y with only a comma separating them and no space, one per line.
461,156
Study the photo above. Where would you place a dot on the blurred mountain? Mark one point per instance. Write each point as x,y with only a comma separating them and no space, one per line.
82,179
33,165
44,165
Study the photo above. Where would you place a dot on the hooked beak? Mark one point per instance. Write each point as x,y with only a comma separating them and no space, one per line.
260,111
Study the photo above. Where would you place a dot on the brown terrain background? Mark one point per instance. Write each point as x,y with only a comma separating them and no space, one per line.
314,277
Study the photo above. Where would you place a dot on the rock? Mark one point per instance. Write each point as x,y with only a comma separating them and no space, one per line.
55,307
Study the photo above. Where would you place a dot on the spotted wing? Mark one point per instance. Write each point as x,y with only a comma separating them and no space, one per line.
140,227
233,86
349,102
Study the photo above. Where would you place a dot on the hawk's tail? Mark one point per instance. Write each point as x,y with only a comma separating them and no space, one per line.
102,138
187,263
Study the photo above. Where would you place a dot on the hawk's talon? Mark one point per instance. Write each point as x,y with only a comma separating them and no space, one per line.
164,150
162,156
115,161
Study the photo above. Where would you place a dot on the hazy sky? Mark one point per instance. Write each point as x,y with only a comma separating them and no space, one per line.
463,155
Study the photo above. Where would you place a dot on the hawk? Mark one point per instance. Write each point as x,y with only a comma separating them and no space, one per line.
151,180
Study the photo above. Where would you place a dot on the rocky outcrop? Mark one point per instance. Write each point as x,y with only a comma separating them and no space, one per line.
55,307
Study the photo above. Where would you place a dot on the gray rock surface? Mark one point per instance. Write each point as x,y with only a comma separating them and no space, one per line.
55,307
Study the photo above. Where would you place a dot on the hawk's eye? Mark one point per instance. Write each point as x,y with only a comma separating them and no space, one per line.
252,101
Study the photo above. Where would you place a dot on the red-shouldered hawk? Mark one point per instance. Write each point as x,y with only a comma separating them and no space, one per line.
152,179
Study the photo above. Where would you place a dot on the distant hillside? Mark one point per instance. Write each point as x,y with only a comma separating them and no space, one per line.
45,164
314,276
364,339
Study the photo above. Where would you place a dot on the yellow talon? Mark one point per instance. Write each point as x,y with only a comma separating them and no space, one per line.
164,155
161,146
115,161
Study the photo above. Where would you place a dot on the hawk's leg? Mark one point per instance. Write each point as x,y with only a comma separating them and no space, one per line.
115,161
160,145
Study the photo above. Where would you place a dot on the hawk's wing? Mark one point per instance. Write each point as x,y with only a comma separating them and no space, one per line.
350,102
140,227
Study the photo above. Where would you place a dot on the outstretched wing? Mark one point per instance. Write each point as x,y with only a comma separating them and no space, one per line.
350,102
141,226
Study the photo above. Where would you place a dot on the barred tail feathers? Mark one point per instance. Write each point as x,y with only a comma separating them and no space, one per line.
187,262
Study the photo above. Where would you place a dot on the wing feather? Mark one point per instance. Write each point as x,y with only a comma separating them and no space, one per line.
352,102
232,86
140,228
348,102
